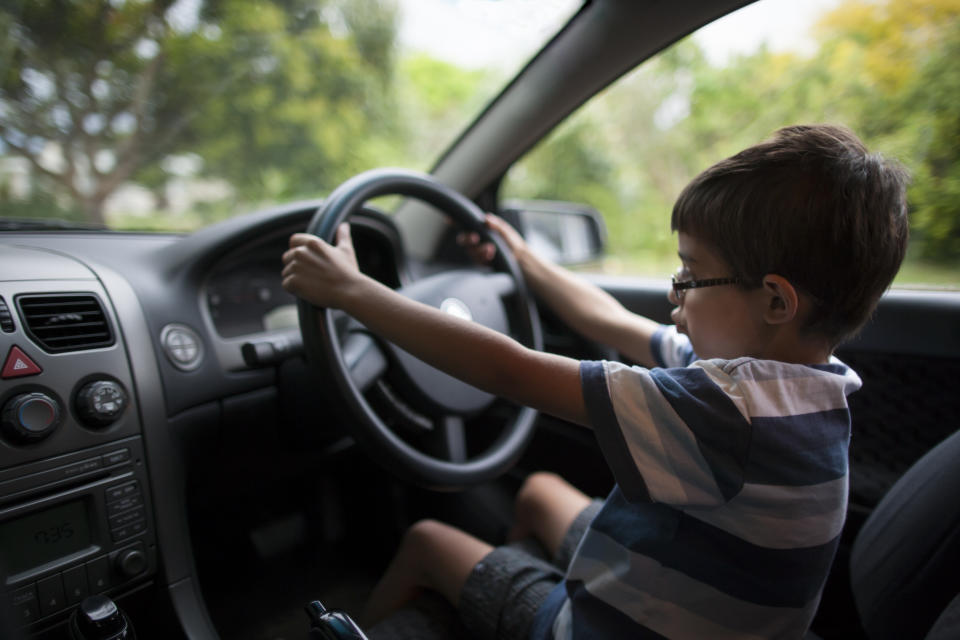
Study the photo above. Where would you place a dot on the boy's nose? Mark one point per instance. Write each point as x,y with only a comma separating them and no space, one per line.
672,297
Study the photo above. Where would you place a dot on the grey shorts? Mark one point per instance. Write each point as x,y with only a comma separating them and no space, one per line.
505,589
500,597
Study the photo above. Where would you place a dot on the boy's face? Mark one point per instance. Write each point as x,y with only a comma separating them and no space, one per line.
723,321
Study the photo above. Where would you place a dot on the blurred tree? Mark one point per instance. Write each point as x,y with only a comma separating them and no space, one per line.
886,68
898,60
436,98
273,96
935,130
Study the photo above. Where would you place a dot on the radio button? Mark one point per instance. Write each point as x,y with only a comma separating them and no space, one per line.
75,584
116,457
82,467
98,574
26,607
126,518
52,598
116,493
129,530
123,504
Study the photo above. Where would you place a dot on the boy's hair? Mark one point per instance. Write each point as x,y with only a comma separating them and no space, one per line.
812,205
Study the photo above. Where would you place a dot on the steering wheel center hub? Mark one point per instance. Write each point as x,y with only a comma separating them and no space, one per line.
456,308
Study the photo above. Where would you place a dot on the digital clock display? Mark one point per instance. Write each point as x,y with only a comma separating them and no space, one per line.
44,536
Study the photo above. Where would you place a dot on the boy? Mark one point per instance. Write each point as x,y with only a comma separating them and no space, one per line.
729,455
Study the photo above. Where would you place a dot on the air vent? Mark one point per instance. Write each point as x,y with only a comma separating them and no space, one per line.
6,320
65,322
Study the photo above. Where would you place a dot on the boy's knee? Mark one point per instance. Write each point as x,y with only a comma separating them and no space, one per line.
535,489
424,534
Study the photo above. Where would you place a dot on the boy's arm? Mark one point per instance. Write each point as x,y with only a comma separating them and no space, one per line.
327,276
584,307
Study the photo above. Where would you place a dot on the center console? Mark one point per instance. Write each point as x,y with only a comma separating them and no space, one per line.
76,516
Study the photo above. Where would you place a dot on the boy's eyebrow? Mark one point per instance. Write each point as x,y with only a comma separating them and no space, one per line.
686,257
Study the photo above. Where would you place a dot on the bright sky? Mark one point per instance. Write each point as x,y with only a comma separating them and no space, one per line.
477,33
501,31
783,24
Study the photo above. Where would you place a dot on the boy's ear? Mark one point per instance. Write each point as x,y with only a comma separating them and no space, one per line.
781,300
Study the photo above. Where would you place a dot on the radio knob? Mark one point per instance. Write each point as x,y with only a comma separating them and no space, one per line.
131,562
100,403
30,417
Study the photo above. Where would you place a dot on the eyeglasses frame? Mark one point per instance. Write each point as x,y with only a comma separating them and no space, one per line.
680,286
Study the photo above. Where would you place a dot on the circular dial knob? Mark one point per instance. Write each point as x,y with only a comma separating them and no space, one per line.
131,562
100,403
29,417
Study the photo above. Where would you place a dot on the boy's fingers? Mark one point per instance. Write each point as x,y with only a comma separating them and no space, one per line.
499,225
300,239
343,236
468,238
495,222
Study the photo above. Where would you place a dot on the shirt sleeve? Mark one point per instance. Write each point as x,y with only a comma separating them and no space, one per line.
670,348
675,435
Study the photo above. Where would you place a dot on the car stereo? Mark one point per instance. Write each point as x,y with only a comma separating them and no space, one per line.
74,525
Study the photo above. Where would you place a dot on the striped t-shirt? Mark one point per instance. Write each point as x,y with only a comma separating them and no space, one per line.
731,494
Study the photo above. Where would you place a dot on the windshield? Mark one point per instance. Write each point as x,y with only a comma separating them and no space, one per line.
170,115
135,114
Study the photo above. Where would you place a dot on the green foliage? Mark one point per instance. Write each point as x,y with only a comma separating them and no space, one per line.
903,88
935,132
276,97
436,100
294,119
887,69
39,205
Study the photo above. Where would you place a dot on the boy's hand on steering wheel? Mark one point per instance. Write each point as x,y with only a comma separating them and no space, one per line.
485,251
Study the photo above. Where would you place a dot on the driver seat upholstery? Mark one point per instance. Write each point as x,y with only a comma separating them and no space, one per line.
905,561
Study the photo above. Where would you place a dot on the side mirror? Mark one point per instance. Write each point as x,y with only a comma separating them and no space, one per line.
564,232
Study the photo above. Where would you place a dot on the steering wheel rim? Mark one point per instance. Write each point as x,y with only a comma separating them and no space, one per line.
324,350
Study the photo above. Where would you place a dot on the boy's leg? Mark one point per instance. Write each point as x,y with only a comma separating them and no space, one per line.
432,555
545,507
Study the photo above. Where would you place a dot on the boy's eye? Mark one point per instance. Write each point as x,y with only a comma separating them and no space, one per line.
683,274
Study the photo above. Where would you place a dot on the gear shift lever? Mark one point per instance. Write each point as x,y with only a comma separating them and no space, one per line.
331,624
99,618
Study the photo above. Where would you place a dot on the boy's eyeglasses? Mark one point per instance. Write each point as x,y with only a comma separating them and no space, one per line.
680,286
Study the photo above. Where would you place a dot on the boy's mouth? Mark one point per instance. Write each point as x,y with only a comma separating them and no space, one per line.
675,316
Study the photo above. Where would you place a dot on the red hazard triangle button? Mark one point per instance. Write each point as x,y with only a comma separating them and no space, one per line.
18,364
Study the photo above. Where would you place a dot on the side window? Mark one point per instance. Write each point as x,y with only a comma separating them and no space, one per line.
887,69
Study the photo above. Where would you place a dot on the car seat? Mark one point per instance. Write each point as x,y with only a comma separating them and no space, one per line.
905,561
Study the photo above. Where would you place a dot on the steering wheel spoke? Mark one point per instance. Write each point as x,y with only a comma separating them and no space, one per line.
364,359
502,284
453,438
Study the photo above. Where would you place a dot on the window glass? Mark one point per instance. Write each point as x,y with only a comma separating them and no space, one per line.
886,68
170,115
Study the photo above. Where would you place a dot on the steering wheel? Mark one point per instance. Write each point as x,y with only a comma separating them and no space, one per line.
340,349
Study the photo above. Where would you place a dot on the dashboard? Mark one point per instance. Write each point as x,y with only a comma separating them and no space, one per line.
243,293
112,344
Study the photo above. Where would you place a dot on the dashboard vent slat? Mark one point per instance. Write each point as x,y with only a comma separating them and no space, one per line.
65,322
6,320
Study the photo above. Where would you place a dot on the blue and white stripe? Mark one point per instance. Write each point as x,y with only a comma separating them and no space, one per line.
731,495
